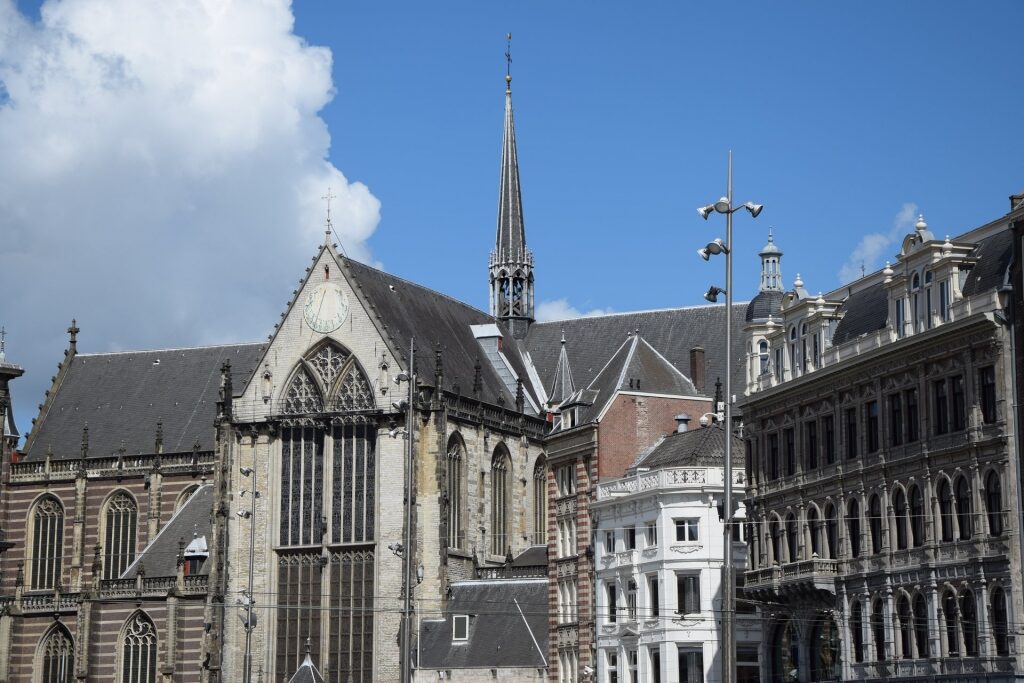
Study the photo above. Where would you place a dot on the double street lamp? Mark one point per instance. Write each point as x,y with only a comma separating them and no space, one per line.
714,248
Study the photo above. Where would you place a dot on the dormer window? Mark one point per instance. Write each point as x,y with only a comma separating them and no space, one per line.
762,352
901,315
460,627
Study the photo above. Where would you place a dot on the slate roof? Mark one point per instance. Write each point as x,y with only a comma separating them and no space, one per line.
498,637
408,309
994,255
122,396
194,518
763,305
307,672
701,447
562,386
863,312
673,332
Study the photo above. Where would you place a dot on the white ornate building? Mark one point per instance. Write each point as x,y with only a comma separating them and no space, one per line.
658,551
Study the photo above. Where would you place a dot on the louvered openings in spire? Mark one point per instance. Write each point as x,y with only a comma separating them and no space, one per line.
511,263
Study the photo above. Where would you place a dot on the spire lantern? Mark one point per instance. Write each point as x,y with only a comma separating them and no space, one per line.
771,266
511,262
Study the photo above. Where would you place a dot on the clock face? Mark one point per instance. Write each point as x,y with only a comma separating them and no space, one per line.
326,307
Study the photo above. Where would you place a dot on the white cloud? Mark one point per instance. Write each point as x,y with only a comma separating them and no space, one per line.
872,246
561,309
161,174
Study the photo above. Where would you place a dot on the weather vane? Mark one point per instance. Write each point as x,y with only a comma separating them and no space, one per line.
328,197
508,56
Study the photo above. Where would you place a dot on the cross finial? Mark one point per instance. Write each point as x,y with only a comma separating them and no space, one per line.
328,197
3,343
508,64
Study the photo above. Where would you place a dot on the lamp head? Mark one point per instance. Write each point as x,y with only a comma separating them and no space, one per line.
246,471
244,514
705,211
712,294
722,205
754,209
401,377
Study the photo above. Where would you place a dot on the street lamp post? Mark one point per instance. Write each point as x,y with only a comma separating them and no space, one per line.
249,515
406,654
724,205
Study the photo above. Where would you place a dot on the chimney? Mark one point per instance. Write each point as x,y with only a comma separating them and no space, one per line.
682,423
697,368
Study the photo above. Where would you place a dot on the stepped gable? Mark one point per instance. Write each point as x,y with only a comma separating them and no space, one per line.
498,636
635,366
123,395
701,447
194,519
673,332
409,309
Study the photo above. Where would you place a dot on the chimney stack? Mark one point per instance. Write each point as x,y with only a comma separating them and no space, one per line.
682,423
697,367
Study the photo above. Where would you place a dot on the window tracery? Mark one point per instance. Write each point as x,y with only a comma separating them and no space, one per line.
302,395
328,362
57,657
119,537
47,543
138,650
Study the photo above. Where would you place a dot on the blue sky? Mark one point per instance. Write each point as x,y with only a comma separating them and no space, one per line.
164,161
839,114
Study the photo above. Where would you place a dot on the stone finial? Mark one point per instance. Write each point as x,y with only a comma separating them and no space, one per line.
887,272
478,383
947,247
85,441
921,226
159,444
798,283
820,301
520,396
73,336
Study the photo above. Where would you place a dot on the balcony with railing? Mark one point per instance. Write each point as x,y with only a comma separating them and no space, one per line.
816,574
672,478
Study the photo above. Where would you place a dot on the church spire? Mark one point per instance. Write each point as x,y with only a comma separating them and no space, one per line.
511,263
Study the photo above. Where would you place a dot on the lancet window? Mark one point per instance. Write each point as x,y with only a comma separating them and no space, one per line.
121,521
138,650
47,543
501,496
56,657
456,465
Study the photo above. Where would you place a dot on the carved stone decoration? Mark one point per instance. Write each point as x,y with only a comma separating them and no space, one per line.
328,363
302,395
355,392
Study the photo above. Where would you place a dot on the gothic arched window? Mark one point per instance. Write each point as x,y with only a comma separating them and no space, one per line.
857,631
540,502
906,627
969,623
916,517
302,395
875,523
792,542
56,656
921,625
456,493
814,527
831,531
878,629
47,543
963,509
138,650
949,613
899,511
1000,626
184,496
994,503
946,511
853,527
120,525
501,501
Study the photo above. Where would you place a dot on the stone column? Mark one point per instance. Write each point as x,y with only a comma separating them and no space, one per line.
78,532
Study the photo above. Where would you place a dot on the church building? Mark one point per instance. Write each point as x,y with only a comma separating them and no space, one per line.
171,510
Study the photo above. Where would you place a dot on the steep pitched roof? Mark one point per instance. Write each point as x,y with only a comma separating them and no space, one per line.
863,312
994,255
510,241
194,519
673,332
562,386
702,447
498,635
123,395
307,671
407,309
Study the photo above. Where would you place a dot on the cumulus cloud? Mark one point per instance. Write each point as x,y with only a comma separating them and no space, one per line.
561,309
872,246
161,174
